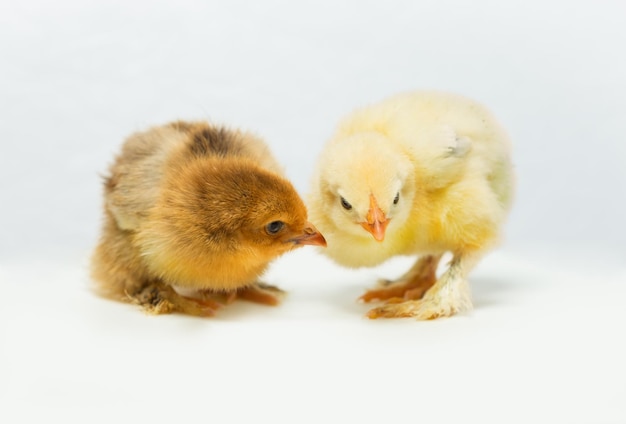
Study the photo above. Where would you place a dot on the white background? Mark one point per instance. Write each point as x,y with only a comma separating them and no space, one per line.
545,342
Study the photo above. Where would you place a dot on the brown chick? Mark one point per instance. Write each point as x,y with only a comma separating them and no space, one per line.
193,216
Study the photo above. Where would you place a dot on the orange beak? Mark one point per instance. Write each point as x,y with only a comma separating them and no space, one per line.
310,236
376,220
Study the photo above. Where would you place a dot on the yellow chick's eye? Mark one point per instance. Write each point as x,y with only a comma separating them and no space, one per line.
347,206
396,199
274,227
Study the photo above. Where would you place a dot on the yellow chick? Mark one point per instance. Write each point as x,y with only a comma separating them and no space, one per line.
420,173
193,216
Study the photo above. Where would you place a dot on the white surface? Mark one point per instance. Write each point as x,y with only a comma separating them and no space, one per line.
545,343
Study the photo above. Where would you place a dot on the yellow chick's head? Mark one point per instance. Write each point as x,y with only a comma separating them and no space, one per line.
365,186
223,220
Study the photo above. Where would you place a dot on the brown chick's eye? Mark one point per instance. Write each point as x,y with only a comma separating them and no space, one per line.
274,227
347,206
396,199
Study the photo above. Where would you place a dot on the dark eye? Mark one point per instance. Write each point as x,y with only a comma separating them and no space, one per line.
347,206
274,227
396,199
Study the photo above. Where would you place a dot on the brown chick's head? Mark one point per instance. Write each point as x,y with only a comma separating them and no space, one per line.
366,185
223,220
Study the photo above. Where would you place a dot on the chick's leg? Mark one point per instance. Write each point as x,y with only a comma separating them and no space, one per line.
448,296
258,293
261,293
412,285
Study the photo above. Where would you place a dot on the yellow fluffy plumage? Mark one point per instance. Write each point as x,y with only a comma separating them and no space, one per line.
419,173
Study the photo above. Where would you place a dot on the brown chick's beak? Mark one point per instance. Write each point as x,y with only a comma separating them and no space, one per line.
376,220
311,236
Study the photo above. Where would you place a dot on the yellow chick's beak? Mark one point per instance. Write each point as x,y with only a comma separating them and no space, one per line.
376,220
310,236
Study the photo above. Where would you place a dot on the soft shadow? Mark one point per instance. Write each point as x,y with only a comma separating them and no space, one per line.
345,298
487,292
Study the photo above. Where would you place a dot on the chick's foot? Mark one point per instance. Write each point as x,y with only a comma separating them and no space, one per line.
397,291
442,301
411,286
261,293
159,299
258,293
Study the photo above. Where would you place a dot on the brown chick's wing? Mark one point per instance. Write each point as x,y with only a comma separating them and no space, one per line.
193,214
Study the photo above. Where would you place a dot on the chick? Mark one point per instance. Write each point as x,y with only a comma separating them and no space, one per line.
421,173
193,216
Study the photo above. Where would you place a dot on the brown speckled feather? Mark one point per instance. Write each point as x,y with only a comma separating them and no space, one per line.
187,211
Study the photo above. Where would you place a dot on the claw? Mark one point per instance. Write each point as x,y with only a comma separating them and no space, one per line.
388,311
411,290
428,308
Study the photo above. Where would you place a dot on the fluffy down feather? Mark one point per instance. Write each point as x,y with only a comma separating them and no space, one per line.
421,173
193,216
